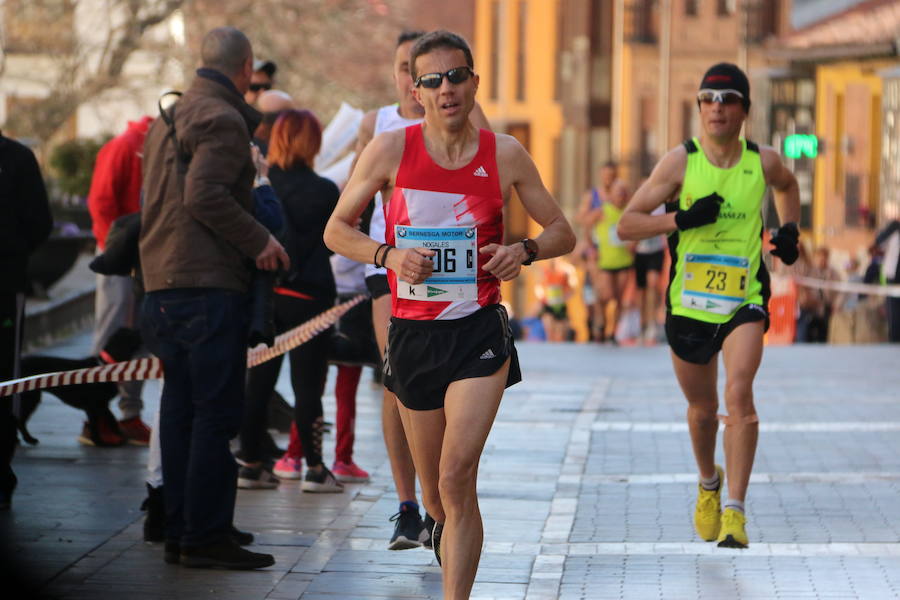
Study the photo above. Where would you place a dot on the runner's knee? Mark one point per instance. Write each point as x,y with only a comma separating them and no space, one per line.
703,411
457,484
739,393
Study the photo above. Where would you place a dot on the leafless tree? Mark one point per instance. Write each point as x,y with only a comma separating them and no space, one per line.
327,51
80,71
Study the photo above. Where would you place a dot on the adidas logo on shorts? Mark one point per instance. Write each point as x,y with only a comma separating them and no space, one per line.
488,354
480,172
757,308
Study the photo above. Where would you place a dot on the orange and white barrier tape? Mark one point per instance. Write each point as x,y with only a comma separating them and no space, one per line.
873,289
151,368
302,333
132,370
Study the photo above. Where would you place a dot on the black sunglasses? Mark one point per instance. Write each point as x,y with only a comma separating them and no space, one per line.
257,87
434,80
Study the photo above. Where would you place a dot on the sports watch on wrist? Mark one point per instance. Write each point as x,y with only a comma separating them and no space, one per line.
531,249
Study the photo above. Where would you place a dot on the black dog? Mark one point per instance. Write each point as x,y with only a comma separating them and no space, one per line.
92,398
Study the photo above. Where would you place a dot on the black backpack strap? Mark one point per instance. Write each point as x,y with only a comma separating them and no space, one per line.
690,146
752,146
168,117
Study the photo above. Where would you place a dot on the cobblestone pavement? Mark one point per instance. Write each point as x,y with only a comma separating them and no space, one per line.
586,485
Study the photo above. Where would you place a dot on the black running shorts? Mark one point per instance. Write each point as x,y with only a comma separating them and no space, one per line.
644,263
424,357
698,341
377,285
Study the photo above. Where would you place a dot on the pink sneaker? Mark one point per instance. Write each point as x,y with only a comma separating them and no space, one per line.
288,468
348,472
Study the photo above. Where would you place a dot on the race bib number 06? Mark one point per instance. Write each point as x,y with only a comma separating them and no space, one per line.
714,283
455,263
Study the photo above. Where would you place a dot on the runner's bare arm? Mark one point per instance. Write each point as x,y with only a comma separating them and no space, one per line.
588,216
663,185
373,172
557,237
784,185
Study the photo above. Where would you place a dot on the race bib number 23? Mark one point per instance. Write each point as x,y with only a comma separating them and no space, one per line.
714,283
455,263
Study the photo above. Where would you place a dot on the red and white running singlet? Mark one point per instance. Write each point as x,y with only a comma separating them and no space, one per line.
453,212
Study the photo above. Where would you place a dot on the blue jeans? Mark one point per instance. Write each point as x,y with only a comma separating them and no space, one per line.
200,335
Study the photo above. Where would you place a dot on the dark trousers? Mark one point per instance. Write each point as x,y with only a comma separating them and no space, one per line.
893,318
200,335
309,368
812,328
8,317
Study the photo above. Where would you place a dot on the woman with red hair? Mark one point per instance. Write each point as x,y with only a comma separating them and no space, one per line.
306,291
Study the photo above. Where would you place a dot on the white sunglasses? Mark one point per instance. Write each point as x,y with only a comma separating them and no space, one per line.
720,96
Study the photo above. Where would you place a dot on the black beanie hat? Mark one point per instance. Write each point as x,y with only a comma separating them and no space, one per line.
726,76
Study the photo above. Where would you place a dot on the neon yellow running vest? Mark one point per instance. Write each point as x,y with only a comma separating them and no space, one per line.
717,268
614,253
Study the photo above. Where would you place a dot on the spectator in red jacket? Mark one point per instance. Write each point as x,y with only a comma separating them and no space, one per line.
116,192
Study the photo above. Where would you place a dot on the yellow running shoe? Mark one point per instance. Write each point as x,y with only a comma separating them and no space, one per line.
732,534
707,514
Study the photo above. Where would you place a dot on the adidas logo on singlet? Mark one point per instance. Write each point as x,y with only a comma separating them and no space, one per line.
488,354
480,172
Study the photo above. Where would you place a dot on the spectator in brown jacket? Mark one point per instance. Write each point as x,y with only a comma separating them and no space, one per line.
198,244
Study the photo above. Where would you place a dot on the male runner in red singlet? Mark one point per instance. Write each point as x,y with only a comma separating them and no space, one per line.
409,529
450,351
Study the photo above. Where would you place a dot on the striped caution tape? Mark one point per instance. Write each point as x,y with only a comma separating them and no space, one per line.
151,368
132,370
301,334
850,287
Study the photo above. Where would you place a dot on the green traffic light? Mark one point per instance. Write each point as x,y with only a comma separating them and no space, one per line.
799,144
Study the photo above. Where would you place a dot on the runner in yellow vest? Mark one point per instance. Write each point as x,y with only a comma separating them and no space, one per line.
714,187
614,256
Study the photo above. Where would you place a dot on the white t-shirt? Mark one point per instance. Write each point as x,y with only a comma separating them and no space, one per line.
656,243
349,275
386,119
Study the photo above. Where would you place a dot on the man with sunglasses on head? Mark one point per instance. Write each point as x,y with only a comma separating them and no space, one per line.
714,188
450,352
410,531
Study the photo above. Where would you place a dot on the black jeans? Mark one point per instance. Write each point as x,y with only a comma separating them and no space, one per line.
309,368
200,335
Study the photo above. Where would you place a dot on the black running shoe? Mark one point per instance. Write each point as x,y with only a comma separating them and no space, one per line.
409,532
323,482
429,527
436,540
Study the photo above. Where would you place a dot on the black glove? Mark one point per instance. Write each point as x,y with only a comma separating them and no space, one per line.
703,211
786,241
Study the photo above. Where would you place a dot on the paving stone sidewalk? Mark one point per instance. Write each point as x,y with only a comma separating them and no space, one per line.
586,485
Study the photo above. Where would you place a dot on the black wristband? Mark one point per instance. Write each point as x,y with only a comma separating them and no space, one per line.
384,256
375,258
531,250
